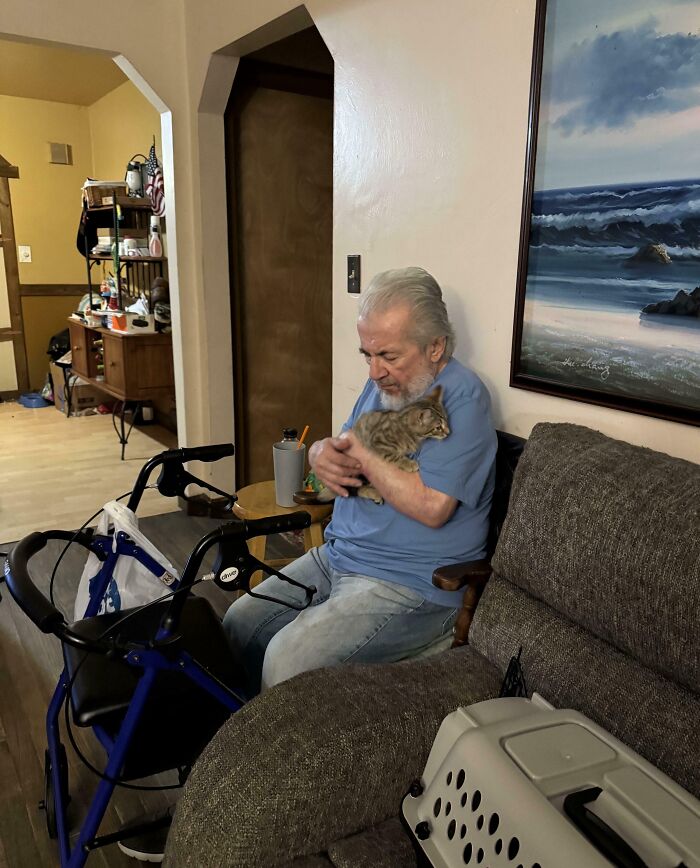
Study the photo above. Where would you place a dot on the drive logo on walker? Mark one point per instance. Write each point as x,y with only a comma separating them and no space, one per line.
167,578
111,602
229,574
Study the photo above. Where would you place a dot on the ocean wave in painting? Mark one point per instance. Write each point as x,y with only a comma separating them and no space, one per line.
597,258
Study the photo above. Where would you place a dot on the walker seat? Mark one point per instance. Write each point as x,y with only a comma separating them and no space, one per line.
103,686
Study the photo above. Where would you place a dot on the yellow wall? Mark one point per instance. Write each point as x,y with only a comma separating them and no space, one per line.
122,124
8,378
46,198
47,316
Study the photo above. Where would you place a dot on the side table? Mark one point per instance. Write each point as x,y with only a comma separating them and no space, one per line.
258,501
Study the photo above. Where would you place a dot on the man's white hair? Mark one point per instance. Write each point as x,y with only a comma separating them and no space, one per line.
419,289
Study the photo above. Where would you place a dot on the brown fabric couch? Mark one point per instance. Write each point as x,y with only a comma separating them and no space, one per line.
596,576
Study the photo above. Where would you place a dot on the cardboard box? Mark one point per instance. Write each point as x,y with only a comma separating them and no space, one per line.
94,192
84,396
133,323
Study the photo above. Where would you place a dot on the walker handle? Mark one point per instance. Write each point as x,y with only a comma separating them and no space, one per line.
204,453
25,593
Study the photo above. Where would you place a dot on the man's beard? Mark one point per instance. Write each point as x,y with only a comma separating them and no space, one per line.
414,390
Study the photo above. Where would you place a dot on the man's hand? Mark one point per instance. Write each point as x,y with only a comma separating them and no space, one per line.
405,491
332,466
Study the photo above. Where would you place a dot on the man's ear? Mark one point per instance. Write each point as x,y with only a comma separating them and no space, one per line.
437,351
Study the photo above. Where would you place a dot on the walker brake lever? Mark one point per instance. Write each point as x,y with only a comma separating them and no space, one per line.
174,479
234,566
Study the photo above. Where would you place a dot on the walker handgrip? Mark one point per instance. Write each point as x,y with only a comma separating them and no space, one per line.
25,593
277,524
207,453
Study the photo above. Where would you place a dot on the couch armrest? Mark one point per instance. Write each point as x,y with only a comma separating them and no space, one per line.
317,758
473,575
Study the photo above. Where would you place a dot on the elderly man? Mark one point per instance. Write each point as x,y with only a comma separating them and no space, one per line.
375,601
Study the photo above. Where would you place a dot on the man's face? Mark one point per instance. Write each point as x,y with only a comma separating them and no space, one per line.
397,364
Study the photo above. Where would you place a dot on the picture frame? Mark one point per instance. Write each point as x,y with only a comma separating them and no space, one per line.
608,287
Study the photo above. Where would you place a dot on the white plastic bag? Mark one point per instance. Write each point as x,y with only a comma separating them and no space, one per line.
132,583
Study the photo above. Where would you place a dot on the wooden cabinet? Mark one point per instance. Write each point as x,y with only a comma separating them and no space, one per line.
136,367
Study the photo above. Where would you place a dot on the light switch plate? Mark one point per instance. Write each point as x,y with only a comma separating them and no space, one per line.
354,273
24,253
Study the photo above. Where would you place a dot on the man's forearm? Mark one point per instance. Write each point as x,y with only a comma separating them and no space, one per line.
407,492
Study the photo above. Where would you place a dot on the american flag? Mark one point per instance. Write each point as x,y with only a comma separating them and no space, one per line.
155,188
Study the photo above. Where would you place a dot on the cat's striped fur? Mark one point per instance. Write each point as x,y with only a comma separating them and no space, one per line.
395,434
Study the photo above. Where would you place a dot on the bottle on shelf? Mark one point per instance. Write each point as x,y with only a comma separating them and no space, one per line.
155,246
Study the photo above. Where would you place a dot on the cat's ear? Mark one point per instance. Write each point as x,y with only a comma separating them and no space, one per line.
436,394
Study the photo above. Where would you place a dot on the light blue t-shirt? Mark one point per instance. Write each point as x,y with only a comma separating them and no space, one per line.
377,540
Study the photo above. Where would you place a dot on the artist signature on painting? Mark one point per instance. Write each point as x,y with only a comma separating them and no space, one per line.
599,367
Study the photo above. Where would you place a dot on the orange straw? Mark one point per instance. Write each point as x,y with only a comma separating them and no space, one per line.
303,436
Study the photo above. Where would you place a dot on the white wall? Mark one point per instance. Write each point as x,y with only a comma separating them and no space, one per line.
431,105
430,127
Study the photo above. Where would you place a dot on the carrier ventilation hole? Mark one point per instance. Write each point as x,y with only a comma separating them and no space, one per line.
476,800
436,807
459,783
448,808
449,778
498,846
493,824
480,856
536,865
513,848
463,832
451,829
463,800
467,855
480,822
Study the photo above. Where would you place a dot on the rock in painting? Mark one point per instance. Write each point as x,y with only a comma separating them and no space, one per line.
651,253
682,304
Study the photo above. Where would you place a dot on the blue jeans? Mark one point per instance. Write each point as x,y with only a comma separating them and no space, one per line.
351,619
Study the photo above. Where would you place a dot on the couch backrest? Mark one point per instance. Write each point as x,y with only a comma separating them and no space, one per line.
608,535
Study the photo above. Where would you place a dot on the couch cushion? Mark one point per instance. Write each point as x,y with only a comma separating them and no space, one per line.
608,534
572,668
383,846
318,758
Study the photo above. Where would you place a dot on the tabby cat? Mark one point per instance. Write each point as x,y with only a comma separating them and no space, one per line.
394,434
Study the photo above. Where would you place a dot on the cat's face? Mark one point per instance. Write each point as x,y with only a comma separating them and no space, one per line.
427,415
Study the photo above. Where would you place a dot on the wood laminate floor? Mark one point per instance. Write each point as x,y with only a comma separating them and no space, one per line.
56,472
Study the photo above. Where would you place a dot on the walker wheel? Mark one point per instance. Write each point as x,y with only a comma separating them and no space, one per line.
49,803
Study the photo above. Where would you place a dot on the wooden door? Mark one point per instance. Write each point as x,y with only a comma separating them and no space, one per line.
279,127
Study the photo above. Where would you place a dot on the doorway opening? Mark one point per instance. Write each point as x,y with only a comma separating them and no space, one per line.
279,167
59,109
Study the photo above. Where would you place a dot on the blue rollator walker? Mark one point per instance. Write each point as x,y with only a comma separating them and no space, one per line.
154,682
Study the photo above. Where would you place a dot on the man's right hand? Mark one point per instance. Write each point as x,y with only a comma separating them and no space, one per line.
333,467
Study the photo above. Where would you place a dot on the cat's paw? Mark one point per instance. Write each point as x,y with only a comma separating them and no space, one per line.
370,493
410,464
325,495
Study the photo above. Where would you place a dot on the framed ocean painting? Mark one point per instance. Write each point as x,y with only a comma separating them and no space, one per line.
608,298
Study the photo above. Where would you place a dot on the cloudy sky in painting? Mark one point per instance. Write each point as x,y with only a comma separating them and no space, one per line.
620,92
